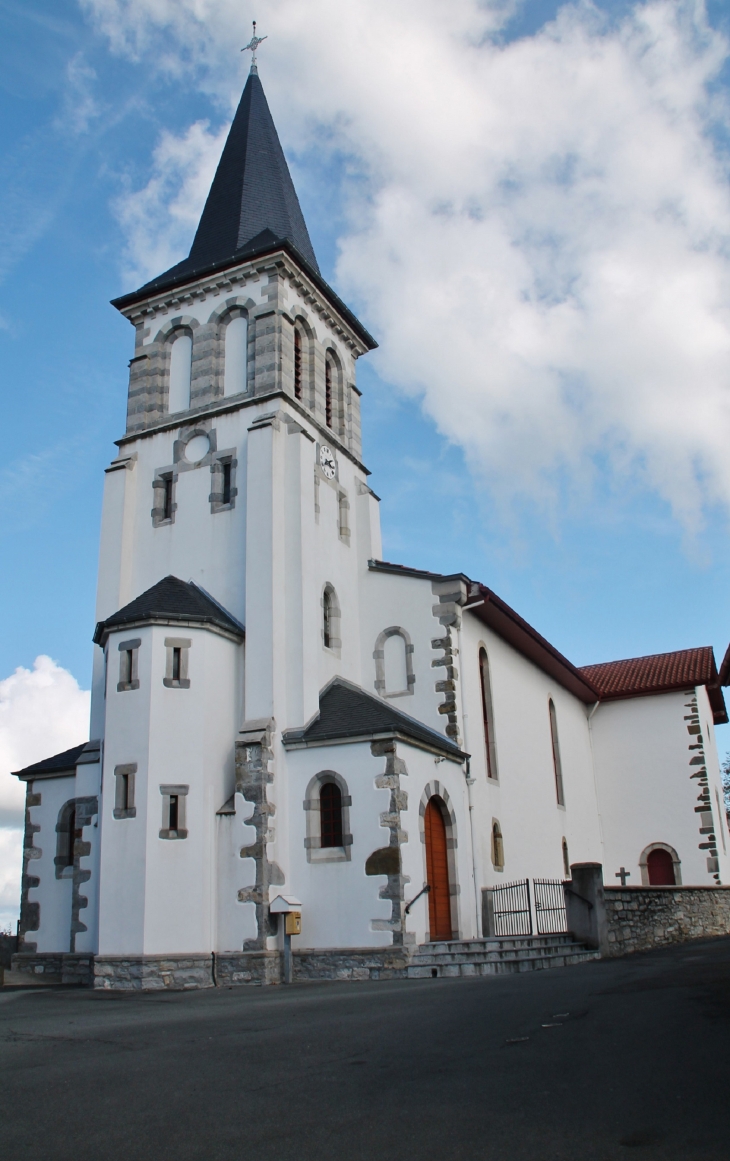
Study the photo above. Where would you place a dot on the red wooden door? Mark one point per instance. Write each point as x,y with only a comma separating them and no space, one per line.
437,871
660,866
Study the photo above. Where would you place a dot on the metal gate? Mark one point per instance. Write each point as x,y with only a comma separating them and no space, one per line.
550,916
511,908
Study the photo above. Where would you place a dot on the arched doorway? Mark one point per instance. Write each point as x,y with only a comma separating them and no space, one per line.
437,870
660,866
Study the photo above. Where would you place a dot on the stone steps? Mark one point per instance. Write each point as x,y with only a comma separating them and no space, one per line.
483,957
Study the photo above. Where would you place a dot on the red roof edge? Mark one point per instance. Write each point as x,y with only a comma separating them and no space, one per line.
724,674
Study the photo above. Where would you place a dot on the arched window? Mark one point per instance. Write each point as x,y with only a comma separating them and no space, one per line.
328,369
181,362
297,363
566,860
330,809
327,806
330,619
487,714
497,846
557,764
660,867
393,654
236,354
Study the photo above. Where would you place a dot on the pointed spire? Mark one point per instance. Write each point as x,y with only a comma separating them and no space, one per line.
252,199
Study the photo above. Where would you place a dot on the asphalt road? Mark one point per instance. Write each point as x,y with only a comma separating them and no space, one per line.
584,1063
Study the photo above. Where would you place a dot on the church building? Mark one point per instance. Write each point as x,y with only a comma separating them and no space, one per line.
278,714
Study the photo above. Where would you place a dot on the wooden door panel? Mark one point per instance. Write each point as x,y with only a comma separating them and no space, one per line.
437,872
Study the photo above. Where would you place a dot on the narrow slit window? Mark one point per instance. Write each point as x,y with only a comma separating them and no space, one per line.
297,364
328,393
226,499
566,860
167,500
487,714
125,666
330,806
327,618
176,664
174,812
557,763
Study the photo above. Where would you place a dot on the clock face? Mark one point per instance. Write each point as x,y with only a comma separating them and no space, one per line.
327,463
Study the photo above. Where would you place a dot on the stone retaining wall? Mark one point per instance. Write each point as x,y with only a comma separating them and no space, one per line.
233,969
639,918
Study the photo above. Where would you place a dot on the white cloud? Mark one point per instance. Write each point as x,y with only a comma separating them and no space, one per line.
541,240
42,712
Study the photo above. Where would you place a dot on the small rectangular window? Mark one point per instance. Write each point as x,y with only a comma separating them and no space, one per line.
174,800
557,762
125,777
177,662
128,665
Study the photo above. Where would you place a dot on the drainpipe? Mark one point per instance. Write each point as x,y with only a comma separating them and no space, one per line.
469,784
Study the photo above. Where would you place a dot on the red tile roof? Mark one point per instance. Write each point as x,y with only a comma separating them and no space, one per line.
659,673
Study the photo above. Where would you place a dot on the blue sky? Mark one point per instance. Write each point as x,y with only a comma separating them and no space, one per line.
608,569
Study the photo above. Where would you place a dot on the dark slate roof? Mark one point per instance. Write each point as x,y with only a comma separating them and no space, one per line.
252,202
171,600
58,764
346,711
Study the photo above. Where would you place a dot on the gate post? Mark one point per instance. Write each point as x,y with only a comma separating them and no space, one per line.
488,912
585,907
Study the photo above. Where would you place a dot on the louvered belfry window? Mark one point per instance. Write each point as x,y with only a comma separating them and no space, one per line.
297,364
330,806
328,393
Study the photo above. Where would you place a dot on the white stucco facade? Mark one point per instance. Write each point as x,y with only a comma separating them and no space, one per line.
253,648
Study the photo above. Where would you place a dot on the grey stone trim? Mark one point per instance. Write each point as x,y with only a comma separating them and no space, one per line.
188,433
316,853
132,682
394,888
30,913
379,658
254,775
84,811
183,644
125,778
343,521
676,862
153,973
216,490
168,790
698,767
158,491
452,595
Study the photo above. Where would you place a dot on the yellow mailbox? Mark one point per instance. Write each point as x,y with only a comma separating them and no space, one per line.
293,923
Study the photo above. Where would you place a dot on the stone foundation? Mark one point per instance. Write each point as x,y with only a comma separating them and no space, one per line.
233,968
56,967
639,918
356,963
152,973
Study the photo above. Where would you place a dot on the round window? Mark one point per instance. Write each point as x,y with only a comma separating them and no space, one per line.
196,448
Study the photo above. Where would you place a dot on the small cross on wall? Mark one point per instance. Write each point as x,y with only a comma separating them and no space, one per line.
623,875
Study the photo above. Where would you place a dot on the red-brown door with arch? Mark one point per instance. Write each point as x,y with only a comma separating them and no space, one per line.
660,866
437,871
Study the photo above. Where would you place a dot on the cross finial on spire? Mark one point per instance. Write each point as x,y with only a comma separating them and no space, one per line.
252,45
